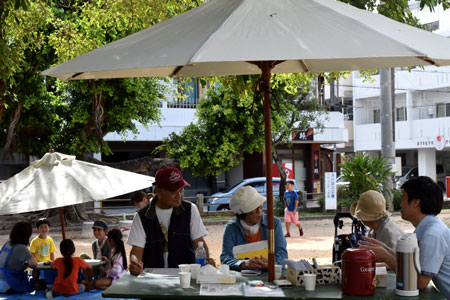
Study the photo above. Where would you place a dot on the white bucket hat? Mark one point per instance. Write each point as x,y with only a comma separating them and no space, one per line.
371,206
245,200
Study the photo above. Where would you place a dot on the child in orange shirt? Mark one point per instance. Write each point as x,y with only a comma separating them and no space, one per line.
68,272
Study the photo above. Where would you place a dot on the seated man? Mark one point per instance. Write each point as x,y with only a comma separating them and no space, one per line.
422,202
371,210
166,232
250,225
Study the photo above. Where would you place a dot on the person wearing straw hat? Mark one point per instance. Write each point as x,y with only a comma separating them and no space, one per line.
250,225
371,210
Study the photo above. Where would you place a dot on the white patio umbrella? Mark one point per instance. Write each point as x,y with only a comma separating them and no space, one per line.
58,180
232,37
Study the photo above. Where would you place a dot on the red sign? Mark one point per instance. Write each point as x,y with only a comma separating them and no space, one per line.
287,168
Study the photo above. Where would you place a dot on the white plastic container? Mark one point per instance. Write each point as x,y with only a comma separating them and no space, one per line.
86,230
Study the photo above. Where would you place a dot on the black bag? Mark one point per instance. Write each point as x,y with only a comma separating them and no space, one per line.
345,241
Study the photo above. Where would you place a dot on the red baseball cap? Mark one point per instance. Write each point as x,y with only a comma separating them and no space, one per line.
170,178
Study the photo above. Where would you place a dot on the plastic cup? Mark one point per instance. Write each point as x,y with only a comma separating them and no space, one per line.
194,270
184,268
185,279
310,281
278,269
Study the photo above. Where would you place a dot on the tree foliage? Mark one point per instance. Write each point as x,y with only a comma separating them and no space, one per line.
230,122
364,173
38,113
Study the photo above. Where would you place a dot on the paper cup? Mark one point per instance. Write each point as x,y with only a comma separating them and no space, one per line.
185,279
278,269
310,281
184,268
194,270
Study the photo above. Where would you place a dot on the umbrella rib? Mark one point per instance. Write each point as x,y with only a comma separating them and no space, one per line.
176,71
304,65
76,75
428,60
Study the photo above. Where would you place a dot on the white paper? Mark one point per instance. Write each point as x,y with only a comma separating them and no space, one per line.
159,272
217,289
250,247
262,291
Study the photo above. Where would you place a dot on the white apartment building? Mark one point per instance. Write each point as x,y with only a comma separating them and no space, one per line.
421,112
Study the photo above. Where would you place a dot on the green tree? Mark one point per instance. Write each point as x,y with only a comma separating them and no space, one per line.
364,173
230,123
38,113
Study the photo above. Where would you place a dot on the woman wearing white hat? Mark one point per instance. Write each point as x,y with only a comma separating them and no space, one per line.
371,210
250,225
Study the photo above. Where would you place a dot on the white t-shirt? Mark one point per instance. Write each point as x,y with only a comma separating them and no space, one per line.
137,236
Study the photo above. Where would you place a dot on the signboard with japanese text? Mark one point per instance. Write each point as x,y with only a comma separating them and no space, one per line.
330,190
316,165
303,135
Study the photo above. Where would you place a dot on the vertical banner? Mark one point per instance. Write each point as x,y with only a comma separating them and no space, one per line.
316,165
330,190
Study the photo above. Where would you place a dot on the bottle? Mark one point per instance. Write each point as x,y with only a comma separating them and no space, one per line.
200,254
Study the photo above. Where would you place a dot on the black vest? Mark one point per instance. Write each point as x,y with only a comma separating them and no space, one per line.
180,245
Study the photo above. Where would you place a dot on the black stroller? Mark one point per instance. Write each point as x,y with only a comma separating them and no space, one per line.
345,241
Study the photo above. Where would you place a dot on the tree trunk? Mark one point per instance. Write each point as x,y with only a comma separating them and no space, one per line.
282,187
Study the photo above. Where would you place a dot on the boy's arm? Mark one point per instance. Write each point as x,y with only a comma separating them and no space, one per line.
52,250
296,205
33,248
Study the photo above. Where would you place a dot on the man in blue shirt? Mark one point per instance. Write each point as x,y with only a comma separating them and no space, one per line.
421,203
291,203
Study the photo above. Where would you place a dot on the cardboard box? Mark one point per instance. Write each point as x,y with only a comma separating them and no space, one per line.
216,278
324,275
380,277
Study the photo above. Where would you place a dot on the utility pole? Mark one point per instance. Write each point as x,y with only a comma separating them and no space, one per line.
387,130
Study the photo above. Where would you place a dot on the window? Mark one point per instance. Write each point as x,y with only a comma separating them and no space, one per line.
432,26
187,96
376,116
259,186
276,186
401,113
442,110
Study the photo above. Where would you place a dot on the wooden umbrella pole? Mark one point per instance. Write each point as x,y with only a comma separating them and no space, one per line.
266,68
61,220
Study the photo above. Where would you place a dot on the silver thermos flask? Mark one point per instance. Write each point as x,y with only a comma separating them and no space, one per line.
408,265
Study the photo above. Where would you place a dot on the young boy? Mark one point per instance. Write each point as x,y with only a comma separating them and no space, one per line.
291,202
100,246
42,246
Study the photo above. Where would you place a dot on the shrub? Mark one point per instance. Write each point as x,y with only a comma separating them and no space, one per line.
364,173
397,195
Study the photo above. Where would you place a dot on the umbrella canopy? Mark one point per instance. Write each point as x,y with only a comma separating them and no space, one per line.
59,180
233,37
222,37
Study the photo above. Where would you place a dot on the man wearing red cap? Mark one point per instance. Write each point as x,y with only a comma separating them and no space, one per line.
166,232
